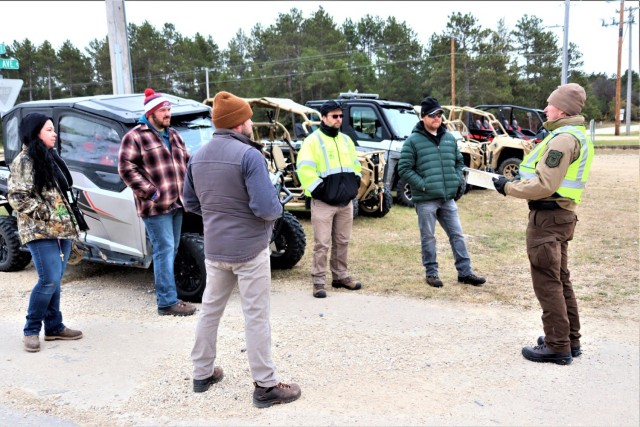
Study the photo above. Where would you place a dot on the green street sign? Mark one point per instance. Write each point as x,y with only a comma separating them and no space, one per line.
3,49
9,64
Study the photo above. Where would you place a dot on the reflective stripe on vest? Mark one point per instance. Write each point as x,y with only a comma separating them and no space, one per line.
577,174
331,171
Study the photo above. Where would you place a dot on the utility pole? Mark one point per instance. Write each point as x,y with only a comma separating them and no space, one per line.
627,111
121,74
565,44
453,71
620,25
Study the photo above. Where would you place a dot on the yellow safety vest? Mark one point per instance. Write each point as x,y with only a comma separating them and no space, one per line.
320,157
577,175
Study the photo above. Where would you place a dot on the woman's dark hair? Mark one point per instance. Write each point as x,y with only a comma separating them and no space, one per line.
40,154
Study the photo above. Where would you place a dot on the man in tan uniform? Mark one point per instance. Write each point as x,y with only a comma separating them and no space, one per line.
552,178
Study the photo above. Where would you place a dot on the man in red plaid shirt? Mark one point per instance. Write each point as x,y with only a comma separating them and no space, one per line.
152,162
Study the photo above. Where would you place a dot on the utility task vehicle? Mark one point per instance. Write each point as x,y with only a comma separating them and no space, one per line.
281,125
89,133
519,122
491,148
376,124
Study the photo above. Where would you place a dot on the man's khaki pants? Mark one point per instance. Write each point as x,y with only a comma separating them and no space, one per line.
254,283
331,228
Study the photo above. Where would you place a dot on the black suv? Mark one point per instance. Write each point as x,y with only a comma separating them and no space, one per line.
89,133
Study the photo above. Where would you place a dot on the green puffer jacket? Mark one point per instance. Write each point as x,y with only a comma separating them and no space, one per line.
433,171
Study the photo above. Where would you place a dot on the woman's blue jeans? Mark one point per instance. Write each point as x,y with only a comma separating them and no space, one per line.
164,233
44,302
446,213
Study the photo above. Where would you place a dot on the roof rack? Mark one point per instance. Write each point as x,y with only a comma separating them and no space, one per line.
356,95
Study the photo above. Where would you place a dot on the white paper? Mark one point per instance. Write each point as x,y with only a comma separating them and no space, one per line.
481,178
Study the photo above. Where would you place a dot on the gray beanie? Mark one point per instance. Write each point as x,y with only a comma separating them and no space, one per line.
568,98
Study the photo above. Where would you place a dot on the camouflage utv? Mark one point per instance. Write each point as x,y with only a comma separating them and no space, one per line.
281,125
486,144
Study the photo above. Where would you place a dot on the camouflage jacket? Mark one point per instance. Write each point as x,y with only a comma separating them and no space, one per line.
46,215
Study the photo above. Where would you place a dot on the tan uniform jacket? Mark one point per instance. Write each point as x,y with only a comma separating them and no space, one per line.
548,179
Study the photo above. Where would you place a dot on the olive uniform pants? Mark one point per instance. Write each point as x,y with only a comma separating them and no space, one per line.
548,234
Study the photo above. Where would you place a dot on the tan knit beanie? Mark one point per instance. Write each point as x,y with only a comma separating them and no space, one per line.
569,98
229,111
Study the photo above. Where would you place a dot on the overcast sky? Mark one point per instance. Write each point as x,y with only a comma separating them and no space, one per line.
82,21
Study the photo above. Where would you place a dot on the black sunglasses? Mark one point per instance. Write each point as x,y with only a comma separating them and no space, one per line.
436,114
337,116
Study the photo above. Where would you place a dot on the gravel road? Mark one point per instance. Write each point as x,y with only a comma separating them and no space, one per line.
360,359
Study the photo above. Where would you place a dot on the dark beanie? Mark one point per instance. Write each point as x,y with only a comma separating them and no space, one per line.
329,106
30,127
429,105
568,98
229,111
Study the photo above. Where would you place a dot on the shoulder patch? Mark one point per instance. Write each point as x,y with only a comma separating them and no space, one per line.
553,158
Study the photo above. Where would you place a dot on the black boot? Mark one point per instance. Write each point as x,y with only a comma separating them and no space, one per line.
542,353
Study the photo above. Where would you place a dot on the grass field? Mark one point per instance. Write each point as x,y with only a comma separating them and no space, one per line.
603,257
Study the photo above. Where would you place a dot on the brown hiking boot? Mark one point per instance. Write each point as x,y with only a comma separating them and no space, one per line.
318,291
347,283
181,308
263,397
65,334
31,343
200,386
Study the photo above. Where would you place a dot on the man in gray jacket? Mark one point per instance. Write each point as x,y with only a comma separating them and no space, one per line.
431,163
228,183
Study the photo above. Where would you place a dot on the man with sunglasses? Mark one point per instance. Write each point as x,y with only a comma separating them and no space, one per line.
329,171
431,163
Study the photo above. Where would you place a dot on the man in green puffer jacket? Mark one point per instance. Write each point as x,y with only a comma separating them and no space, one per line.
431,163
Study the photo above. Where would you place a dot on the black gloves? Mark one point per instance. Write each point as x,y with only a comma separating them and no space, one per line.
499,183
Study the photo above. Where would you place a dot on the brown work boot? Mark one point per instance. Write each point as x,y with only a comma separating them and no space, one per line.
31,343
65,334
181,308
200,386
263,397
347,283
318,290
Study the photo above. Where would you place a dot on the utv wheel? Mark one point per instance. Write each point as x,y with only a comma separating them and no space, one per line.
288,242
11,257
189,269
356,207
510,167
375,207
404,194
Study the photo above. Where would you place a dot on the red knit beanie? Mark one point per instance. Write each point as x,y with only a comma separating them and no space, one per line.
154,101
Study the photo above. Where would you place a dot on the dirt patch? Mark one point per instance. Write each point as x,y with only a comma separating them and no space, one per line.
361,358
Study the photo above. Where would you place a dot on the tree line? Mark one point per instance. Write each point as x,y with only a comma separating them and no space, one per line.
316,58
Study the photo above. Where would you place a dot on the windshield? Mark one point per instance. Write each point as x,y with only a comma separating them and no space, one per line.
402,121
195,133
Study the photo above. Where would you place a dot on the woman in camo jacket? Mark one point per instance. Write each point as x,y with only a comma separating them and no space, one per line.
38,184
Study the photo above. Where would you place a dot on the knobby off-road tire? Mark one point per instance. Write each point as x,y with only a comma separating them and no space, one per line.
189,269
288,244
11,257
376,208
404,193
509,167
